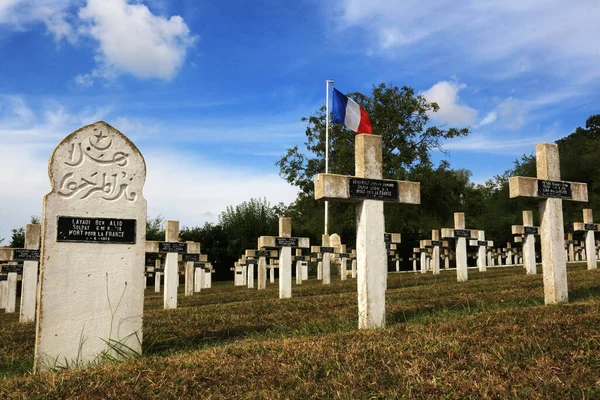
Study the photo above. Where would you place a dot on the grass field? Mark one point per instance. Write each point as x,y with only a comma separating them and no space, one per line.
490,337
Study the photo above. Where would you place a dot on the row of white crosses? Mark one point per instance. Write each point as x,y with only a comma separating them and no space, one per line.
196,271
284,243
30,256
528,232
461,235
368,191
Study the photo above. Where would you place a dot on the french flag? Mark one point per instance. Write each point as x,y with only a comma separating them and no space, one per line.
347,112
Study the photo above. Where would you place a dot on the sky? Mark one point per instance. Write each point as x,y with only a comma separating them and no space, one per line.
213,92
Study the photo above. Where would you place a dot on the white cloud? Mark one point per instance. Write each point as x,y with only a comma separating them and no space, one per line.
135,41
511,36
489,118
180,184
131,39
445,94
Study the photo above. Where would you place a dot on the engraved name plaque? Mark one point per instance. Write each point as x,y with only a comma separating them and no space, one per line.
286,242
462,233
590,227
189,257
373,189
531,230
556,189
96,230
26,255
172,247
199,264
327,249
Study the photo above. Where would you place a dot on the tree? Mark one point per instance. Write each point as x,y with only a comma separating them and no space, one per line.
398,115
18,234
155,228
403,120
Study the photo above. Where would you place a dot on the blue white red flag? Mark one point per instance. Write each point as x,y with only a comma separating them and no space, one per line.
347,112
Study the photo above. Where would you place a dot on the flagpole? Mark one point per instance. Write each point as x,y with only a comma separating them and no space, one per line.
327,82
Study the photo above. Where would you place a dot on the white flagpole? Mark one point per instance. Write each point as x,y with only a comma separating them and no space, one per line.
327,82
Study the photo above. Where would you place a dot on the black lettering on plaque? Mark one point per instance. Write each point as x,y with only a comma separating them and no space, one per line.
299,258
462,233
263,253
590,227
373,189
556,189
327,249
482,243
286,242
387,237
172,247
12,268
189,257
251,262
96,230
238,272
531,230
343,255
159,270
3,278
436,243
26,255
199,264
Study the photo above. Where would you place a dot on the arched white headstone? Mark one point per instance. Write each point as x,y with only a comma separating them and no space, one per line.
91,294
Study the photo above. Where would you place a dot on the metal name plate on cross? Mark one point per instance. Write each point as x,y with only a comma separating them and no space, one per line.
550,191
369,191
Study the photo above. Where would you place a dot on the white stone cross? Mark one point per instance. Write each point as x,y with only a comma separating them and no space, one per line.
30,255
589,227
528,231
368,190
391,242
550,191
325,264
461,235
435,244
482,245
285,242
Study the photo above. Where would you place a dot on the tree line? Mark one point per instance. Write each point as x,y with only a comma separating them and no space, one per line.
409,137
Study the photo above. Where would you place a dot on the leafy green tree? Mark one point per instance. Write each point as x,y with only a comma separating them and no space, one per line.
18,234
402,118
155,228
397,114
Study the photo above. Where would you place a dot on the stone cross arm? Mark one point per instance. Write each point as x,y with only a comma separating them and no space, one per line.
261,253
486,243
274,242
354,189
159,247
14,254
452,233
580,226
525,230
521,186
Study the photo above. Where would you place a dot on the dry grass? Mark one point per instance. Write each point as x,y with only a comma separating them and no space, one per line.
490,337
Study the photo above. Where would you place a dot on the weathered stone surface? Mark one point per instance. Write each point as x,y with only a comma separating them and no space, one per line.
91,293
30,275
521,186
171,267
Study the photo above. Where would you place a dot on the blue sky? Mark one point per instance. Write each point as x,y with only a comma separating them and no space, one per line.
212,92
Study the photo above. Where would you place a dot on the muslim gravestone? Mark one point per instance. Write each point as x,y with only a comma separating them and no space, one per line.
91,294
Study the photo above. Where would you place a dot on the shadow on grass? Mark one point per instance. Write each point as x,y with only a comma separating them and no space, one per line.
584,293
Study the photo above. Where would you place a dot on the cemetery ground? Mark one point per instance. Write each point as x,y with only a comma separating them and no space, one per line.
489,337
